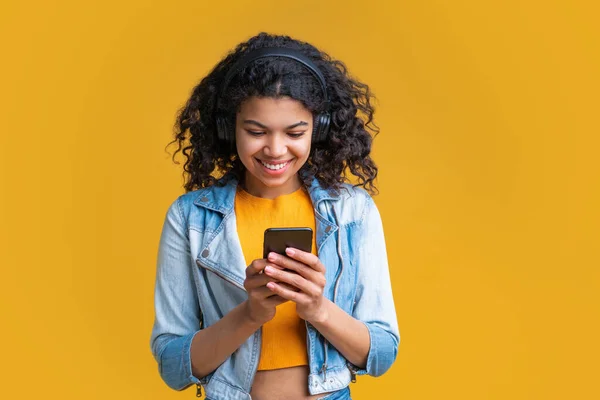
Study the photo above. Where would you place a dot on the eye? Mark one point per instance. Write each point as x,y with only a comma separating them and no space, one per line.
255,133
296,135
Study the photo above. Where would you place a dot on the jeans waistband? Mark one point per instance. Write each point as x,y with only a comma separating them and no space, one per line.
342,394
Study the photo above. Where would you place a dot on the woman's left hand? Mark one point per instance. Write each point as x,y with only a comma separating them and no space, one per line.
307,273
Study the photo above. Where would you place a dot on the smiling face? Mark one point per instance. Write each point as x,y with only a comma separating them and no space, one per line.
273,142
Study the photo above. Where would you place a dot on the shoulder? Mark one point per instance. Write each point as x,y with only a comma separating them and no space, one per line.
354,202
186,201
190,198
184,206
349,192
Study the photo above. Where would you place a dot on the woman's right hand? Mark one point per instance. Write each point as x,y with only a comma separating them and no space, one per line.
261,304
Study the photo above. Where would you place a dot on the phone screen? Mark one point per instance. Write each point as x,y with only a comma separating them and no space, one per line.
278,239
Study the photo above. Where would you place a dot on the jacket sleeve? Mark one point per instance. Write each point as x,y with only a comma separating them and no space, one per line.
177,311
374,302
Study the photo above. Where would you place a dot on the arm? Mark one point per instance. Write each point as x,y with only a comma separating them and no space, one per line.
185,352
213,345
177,311
330,320
335,324
373,343
374,301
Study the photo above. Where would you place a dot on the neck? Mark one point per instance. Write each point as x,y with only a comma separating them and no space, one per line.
258,189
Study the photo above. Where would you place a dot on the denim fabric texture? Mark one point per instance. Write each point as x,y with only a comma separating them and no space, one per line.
200,275
343,394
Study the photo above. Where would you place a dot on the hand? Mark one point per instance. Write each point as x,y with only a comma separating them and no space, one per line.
262,302
306,274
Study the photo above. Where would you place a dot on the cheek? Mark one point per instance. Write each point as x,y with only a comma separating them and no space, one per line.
302,149
246,149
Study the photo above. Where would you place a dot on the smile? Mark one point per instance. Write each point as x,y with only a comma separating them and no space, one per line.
275,166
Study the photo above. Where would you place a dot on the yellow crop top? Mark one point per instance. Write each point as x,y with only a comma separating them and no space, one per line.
284,337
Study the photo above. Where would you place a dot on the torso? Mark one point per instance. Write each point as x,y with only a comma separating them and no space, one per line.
282,384
274,380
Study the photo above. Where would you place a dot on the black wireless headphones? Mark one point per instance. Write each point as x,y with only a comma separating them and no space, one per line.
322,120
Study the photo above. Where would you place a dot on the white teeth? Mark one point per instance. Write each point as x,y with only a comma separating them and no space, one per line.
273,167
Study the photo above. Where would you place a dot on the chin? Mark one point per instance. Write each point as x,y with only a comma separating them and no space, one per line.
274,182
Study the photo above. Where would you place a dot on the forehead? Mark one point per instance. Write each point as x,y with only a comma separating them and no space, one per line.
270,109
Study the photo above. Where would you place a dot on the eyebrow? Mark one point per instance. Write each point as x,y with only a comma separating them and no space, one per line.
251,121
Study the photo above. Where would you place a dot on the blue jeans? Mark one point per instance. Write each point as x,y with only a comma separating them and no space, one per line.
342,394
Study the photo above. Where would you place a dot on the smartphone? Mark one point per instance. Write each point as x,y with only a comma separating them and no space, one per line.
278,239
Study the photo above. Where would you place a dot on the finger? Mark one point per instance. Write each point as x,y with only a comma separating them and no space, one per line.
294,280
261,293
283,262
305,258
262,270
306,271
257,281
256,267
284,293
285,285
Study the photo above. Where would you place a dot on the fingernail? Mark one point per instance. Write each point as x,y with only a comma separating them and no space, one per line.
268,269
289,251
271,256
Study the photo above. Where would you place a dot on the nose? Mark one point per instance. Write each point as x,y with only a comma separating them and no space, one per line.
276,145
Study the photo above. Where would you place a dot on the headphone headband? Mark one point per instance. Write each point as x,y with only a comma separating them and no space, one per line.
322,120
274,52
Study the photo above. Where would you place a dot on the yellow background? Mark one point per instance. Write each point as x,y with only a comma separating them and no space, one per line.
489,185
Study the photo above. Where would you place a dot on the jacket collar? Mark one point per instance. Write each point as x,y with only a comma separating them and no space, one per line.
222,198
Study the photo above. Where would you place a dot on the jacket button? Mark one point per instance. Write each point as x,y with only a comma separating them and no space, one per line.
328,229
205,253
204,199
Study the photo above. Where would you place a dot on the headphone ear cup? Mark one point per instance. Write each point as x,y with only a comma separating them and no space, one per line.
321,128
315,131
223,131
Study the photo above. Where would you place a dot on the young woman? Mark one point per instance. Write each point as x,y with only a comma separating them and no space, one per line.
269,136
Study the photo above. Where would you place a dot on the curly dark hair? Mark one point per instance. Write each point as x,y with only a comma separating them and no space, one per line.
210,161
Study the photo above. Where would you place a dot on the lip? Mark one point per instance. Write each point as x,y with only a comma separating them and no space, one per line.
272,172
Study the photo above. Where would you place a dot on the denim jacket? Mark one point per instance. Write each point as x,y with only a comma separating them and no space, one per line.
201,271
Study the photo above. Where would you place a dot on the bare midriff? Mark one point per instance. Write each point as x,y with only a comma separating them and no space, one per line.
282,384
